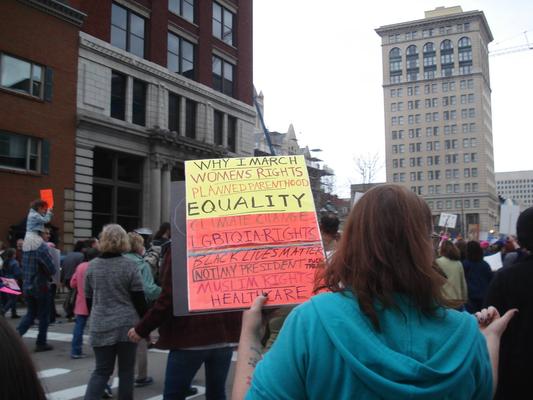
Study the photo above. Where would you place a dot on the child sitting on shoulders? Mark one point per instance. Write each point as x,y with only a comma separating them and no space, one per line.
38,216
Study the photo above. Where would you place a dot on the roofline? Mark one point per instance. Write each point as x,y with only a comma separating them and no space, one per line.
432,20
58,9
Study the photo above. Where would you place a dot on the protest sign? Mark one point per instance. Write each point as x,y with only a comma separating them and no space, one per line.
9,286
494,260
251,228
447,220
48,196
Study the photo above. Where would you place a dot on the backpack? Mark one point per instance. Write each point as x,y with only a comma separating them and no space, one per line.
153,258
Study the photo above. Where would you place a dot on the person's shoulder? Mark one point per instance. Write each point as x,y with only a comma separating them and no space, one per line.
522,268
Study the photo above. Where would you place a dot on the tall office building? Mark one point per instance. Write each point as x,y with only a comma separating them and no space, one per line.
438,121
517,186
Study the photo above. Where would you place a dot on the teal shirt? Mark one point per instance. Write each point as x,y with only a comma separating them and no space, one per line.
328,349
151,290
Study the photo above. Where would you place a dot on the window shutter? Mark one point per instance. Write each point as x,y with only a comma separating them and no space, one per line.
48,83
45,157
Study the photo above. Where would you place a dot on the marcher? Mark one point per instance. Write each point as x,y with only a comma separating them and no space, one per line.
54,279
511,288
10,269
155,255
455,288
329,229
192,340
37,267
17,371
478,276
70,263
385,330
115,299
38,215
151,293
81,311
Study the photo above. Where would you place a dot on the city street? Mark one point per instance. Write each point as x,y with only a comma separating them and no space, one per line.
66,379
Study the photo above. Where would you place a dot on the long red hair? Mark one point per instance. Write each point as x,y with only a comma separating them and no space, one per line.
387,249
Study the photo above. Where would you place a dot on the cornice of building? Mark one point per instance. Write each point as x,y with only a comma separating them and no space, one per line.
154,135
432,21
99,47
57,9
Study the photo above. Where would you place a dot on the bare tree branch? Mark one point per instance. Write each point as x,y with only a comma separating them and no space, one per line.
367,166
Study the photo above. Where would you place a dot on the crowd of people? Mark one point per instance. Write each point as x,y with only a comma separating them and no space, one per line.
396,314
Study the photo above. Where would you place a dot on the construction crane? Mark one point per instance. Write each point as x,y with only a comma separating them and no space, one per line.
513,49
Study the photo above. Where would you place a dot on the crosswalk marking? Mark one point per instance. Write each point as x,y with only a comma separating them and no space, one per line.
73,392
49,373
67,337
54,336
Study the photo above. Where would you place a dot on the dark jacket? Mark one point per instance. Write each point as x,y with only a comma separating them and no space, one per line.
511,288
38,267
478,276
11,269
188,331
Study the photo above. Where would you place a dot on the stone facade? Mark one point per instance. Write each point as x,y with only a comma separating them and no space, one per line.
153,147
438,125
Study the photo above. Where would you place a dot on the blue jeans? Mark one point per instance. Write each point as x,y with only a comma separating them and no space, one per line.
77,335
9,302
182,365
38,307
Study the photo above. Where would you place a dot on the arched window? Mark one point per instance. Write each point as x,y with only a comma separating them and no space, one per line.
429,47
465,55
464,42
446,58
412,63
430,60
395,65
411,50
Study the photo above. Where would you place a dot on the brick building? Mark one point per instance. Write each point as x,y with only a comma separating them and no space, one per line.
37,108
160,82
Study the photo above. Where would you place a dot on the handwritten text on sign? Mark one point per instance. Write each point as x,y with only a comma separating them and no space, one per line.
251,228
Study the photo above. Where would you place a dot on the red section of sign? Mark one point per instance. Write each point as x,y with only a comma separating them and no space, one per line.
234,279
251,230
48,196
232,260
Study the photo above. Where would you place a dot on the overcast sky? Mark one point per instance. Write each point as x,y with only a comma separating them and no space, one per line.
319,66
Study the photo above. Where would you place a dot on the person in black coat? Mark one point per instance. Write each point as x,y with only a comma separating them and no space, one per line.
511,288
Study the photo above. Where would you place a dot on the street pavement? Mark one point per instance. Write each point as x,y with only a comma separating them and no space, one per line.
66,379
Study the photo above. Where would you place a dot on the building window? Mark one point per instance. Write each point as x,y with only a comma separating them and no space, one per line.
23,152
232,134
465,55
223,76
139,103
395,65
118,95
127,30
173,112
446,58
430,63
180,56
223,20
21,76
184,8
218,128
190,119
412,63
117,187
